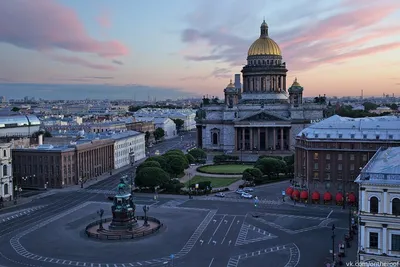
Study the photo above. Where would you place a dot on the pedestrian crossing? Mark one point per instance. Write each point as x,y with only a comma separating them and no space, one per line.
251,234
16,214
100,191
288,231
241,200
173,203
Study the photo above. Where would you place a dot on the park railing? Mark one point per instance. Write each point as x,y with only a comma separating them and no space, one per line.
120,235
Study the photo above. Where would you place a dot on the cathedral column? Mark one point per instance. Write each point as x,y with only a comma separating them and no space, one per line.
266,138
258,138
289,137
274,145
284,83
259,84
251,139
282,138
243,139
236,139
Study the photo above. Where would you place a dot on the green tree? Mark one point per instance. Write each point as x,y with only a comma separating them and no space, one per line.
175,151
159,133
15,109
171,155
176,165
151,177
370,106
133,108
190,158
198,154
179,124
268,166
393,106
148,164
252,174
147,137
161,160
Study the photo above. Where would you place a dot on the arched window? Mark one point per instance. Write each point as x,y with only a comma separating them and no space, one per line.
373,205
215,139
5,153
396,206
5,189
4,170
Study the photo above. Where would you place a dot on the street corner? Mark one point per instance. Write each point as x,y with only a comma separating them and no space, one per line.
280,256
62,237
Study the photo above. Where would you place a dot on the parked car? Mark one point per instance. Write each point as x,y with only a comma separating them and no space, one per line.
157,153
247,195
220,195
248,189
240,191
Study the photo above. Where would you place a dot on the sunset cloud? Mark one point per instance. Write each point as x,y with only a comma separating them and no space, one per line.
83,62
46,25
104,20
353,29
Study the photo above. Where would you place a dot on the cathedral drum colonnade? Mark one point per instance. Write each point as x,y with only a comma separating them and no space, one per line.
262,114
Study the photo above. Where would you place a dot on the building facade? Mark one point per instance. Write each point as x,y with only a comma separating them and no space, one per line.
263,115
107,127
129,147
186,115
329,154
48,166
379,208
6,178
141,126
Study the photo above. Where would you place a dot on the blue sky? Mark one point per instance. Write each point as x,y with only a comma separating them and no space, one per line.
195,46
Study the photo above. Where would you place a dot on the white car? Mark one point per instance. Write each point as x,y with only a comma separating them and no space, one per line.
248,189
240,191
157,153
246,195
220,195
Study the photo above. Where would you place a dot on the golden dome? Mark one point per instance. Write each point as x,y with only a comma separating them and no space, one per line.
296,83
230,85
264,45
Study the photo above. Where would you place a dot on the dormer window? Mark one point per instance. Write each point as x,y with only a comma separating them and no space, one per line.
328,136
364,136
390,136
377,137
340,135
352,136
316,135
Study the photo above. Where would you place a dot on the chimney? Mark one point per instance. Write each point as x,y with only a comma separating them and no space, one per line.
40,139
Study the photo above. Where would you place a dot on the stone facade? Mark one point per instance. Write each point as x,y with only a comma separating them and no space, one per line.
263,116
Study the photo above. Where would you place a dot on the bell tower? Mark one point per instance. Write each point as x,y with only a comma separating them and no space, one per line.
232,95
296,94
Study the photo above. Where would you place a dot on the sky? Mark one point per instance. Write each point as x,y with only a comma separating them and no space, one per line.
74,49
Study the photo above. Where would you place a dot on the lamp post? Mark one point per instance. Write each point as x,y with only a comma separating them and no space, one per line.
190,185
344,194
333,243
81,182
100,212
110,165
145,210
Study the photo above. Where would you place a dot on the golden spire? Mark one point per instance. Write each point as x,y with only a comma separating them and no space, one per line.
230,85
296,83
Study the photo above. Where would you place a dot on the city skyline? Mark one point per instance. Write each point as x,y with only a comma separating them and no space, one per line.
183,48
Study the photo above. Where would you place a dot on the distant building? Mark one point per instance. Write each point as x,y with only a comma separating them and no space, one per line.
19,125
6,178
129,147
188,116
166,124
330,153
379,209
107,127
61,166
141,126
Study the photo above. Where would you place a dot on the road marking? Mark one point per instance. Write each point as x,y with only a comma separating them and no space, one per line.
228,230
218,225
211,262
329,214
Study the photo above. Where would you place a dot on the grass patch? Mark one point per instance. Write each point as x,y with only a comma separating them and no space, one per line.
224,168
216,182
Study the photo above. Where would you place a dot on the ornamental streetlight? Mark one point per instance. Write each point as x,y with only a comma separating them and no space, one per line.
145,210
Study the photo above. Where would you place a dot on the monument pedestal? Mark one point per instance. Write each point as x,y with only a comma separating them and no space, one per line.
123,212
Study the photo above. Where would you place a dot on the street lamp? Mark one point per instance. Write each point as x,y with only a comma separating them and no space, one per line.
145,210
190,185
81,182
100,212
333,243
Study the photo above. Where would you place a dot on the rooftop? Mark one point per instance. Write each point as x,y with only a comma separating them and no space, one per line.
369,128
18,120
384,167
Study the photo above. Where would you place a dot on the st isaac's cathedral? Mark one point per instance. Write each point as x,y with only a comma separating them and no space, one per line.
262,115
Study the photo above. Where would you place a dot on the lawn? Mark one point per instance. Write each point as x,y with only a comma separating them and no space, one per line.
225,169
216,182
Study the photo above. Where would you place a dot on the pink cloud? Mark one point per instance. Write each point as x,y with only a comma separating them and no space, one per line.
351,32
47,25
83,62
104,20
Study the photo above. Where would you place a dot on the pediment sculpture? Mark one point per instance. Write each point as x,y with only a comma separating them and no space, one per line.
262,117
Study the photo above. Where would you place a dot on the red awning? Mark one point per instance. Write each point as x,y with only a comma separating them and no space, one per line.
296,194
352,197
304,195
289,191
315,195
339,197
327,196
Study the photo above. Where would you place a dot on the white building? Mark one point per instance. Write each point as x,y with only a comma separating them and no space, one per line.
129,147
379,208
187,115
166,124
6,179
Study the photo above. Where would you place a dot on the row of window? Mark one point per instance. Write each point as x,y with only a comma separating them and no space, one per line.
374,206
374,241
339,166
328,176
352,136
340,156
